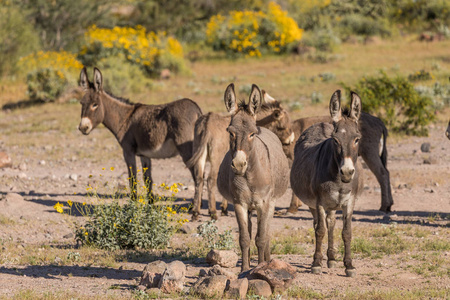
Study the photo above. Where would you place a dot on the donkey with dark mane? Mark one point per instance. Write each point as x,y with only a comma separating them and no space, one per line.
211,145
326,175
147,131
253,174
372,149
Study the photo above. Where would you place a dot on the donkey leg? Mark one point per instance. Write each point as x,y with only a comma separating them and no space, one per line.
295,204
375,164
242,216
262,239
320,229
347,212
130,160
198,174
331,252
147,173
212,187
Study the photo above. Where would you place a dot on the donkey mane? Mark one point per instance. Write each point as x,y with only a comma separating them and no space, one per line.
271,106
123,100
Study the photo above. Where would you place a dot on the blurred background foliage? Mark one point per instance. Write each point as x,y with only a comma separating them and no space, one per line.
135,41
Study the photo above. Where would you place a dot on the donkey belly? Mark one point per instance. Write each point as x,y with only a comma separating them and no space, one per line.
165,150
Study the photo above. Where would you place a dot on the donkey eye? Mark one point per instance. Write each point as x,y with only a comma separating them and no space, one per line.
94,106
356,141
232,135
252,135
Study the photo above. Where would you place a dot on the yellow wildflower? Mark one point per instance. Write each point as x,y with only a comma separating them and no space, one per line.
112,168
59,207
70,203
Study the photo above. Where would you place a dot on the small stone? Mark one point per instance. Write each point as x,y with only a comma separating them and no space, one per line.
173,277
277,273
223,258
218,270
68,236
429,161
202,273
22,175
5,160
152,273
58,260
237,289
23,166
188,228
366,187
42,162
259,287
73,177
428,190
141,288
425,147
210,286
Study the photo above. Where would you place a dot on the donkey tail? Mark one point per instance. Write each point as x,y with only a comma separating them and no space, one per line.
201,138
383,148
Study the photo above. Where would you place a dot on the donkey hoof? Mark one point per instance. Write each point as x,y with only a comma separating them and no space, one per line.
316,270
292,210
224,213
214,216
350,272
331,264
194,217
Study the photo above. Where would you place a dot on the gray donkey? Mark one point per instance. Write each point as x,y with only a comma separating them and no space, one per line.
147,131
211,144
253,174
326,175
372,149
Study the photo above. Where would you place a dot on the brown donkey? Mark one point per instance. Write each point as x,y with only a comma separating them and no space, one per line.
447,132
147,131
211,144
326,175
253,174
372,149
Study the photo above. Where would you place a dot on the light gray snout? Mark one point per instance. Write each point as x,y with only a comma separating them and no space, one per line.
239,163
85,126
347,170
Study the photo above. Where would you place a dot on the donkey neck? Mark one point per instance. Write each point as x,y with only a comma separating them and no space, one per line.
258,160
116,115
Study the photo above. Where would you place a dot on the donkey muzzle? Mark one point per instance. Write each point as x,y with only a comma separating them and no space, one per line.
239,163
85,126
347,170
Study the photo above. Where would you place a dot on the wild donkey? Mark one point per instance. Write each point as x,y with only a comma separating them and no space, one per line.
372,149
147,131
253,174
211,144
326,175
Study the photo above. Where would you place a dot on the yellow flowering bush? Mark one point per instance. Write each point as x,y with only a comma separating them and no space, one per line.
152,51
49,73
253,33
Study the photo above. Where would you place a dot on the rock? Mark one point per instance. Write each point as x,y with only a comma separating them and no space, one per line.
173,278
42,162
428,190
73,177
218,270
188,228
152,273
259,287
277,273
5,160
425,147
223,258
210,286
202,273
165,74
22,175
68,236
58,260
141,288
237,289
430,161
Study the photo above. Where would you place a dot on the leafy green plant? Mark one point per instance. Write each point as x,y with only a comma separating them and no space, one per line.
421,75
45,84
396,102
213,239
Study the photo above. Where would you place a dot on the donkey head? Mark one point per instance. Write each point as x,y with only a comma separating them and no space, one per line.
278,121
242,127
92,110
346,135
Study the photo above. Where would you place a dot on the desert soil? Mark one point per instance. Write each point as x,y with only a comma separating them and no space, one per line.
420,190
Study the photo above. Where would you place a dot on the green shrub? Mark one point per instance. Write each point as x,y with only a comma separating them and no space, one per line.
122,77
213,239
396,102
45,84
363,25
323,39
421,75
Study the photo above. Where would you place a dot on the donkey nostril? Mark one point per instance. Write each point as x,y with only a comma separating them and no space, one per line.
352,172
244,163
342,172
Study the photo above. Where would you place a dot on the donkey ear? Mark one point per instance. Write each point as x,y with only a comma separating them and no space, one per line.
98,80
254,103
266,97
335,106
84,81
230,99
355,107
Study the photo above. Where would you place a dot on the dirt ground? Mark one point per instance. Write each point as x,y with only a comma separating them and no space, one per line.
421,194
